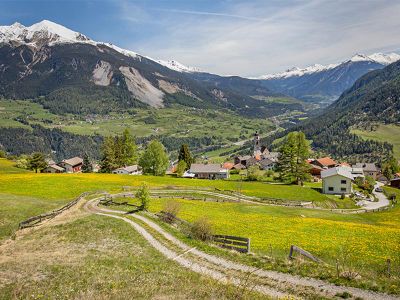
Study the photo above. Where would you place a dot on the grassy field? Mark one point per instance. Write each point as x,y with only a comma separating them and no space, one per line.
174,121
362,241
92,257
384,133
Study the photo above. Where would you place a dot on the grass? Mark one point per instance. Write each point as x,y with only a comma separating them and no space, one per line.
384,133
367,240
173,121
95,257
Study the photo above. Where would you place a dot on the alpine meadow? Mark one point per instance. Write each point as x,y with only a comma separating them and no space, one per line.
199,150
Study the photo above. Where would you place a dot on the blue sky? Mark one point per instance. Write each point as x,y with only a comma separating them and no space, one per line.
235,37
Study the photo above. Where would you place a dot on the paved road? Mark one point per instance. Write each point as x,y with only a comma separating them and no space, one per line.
382,199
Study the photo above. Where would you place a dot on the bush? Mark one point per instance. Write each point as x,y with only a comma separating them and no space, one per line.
3,154
201,229
144,197
171,209
342,196
392,196
253,173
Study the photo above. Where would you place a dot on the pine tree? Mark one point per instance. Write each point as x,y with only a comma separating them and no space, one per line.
87,166
37,162
154,159
108,163
128,149
293,164
184,154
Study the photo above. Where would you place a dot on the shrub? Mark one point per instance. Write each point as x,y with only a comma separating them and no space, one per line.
171,209
342,196
144,197
181,168
253,173
3,154
201,229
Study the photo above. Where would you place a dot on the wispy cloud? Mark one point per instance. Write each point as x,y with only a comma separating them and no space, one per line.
257,37
213,14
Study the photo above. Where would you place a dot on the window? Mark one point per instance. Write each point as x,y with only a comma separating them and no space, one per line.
330,189
343,189
343,181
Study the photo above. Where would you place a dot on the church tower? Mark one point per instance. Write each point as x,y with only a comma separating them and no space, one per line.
257,146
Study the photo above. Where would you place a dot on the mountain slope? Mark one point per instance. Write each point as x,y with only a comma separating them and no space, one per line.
374,98
69,73
325,83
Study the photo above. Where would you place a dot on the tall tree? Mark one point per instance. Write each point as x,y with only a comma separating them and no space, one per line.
184,154
87,165
181,168
37,162
390,167
293,164
128,149
154,159
108,163
143,195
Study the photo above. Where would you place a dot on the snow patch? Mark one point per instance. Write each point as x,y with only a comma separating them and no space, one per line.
177,66
141,88
102,73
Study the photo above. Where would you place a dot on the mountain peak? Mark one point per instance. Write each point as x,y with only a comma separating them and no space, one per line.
177,66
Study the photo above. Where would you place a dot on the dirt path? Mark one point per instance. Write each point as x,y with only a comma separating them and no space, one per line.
218,268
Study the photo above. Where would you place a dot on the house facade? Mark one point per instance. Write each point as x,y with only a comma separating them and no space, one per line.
369,169
209,171
337,181
72,165
53,168
129,170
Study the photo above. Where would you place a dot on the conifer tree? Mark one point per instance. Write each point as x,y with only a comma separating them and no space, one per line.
128,149
87,166
108,163
293,164
184,154
37,162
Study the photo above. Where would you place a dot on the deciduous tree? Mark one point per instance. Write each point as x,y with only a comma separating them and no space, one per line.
154,159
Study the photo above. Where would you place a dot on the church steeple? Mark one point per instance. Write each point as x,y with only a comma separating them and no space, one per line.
257,146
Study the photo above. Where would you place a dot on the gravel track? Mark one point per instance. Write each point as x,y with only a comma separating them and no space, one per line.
291,282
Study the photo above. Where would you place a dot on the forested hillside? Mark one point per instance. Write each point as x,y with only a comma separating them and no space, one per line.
374,98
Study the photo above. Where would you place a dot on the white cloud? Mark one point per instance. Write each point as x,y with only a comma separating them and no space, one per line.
257,37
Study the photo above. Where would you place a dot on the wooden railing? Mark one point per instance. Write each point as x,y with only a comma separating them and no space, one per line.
33,221
236,243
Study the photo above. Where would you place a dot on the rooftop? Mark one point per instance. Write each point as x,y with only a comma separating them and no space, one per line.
73,161
341,171
206,168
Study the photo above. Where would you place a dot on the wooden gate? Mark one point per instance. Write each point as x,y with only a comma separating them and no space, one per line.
236,243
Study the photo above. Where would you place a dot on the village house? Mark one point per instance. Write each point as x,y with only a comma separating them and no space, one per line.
72,165
337,181
128,170
209,171
53,168
267,164
324,162
369,169
241,160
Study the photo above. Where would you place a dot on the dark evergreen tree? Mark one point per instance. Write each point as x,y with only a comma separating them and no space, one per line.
87,165
107,163
37,162
184,154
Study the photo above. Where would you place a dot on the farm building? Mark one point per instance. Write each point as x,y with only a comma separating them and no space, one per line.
337,180
129,170
72,165
324,162
369,169
209,171
53,168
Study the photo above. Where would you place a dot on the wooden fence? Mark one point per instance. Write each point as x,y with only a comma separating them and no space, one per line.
236,243
33,221
303,252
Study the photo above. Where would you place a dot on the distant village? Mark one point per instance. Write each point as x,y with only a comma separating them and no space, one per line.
337,177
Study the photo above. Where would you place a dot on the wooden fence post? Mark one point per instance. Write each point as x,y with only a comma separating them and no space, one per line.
388,267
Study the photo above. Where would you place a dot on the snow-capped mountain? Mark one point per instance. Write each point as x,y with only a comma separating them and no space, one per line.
380,58
71,73
324,84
